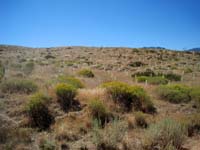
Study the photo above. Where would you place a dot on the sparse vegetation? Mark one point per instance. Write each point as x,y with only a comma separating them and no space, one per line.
86,73
38,111
110,136
28,67
18,86
173,77
2,71
65,95
164,134
175,93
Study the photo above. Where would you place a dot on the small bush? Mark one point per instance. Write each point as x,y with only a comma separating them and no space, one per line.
65,95
164,134
136,64
140,120
2,71
71,80
192,123
38,111
128,96
188,70
173,77
147,72
28,68
18,86
153,80
195,95
99,111
175,93
47,144
86,73
110,136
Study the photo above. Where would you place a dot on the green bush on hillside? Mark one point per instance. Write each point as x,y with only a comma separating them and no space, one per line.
2,71
65,95
28,68
129,96
173,77
175,93
18,86
99,111
86,73
195,95
71,80
153,80
38,111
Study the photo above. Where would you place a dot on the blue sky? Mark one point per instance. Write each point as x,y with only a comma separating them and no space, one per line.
173,24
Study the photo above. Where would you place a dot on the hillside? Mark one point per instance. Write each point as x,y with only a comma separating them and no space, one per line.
104,98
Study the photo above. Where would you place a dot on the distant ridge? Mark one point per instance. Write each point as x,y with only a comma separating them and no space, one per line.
194,49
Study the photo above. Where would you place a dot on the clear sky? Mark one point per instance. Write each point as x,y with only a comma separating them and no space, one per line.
173,24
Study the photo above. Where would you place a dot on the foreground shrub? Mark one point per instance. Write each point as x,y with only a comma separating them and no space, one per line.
86,73
18,86
152,80
129,96
164,134
173,77
38,111
110,136
175,93
65,95
195,95
140,120
71,80
99,111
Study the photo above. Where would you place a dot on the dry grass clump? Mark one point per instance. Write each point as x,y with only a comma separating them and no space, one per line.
38,111
86,73
18,86
175,93
110,136
47,143
129,97
167,134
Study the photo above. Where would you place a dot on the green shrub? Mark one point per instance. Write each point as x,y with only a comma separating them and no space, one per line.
140,120
153,80
65,95
195,95
28,68
86,73
99,111
164,134
2,71
173,77
147,72
175,93
136,64
38,111
188,70
71,80
47,144
129,96
18,86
